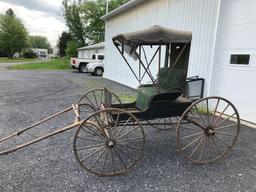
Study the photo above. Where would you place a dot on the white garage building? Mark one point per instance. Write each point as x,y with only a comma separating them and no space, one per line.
88,51
223,49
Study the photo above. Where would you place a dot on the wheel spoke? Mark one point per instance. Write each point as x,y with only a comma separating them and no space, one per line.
119,131
121,151
222,141
194,121
200,116
215,110
90,139
201,154
98,158
105,161
215,146
117,119
192,135
113,163
225,133
120,159
90,102
209,151
95,132
128,146
191,128
92,153
196,148
225,119
127,132
191,143
207,106
130,139
90,147
96,99
221,114
225,126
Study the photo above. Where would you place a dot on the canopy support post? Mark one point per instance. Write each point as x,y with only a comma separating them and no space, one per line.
178,58
128,65
159,65
150,62
167,55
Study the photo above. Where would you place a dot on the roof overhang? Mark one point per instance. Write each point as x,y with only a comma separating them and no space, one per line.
121,9
95,46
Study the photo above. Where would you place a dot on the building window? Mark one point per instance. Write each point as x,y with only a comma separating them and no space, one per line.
240,59
101,57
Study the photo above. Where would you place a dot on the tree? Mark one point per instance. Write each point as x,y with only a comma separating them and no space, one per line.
83,20
39,42
13,34
92,11
73,21
71,49
62,44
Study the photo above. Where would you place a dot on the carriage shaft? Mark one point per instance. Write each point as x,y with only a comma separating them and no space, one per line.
34,125
40,138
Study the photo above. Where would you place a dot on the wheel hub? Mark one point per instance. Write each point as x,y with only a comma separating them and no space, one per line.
111,144
209,131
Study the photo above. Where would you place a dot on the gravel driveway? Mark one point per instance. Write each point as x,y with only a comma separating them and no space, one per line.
28,96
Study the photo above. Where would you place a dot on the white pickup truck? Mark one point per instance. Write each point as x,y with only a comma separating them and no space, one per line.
95,64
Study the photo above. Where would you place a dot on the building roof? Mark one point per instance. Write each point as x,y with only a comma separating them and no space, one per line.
95,46
121,9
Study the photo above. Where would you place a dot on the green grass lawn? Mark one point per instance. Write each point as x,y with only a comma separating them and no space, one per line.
60,63
7,60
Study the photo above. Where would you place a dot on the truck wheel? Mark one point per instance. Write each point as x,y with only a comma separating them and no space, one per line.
82,68
98,71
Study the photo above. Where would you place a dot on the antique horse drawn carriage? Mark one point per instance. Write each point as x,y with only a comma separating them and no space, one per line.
110,139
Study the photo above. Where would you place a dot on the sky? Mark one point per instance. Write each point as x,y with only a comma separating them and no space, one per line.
40,17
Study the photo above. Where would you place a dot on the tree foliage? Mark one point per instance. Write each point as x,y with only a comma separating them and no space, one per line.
13,34
83,20
63,41
73,21
92,11
39,42
71,49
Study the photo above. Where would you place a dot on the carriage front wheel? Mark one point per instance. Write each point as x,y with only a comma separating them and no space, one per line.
109,142
207,130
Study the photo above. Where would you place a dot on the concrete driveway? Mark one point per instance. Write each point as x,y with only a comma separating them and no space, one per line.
27,96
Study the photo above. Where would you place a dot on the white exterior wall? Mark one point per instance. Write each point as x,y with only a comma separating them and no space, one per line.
198,16
87,53
236,34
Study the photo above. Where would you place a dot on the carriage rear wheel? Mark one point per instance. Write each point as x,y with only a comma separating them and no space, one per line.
96,98
210,132
108,144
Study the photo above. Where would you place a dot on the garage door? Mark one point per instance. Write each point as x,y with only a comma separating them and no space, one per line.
234,74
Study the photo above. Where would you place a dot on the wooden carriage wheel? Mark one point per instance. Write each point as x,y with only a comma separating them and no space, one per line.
104,144
209,133
85,110
167,123
96,98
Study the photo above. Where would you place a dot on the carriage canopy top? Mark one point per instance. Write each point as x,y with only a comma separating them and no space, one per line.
155,35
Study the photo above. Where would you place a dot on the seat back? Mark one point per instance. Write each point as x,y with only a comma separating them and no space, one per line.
172,79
